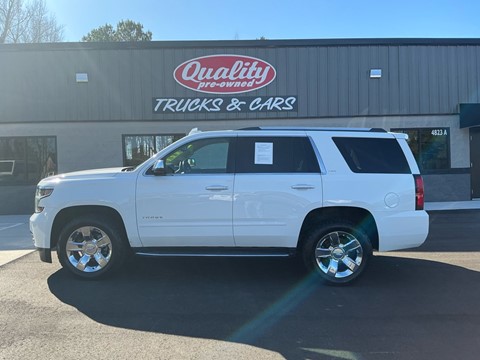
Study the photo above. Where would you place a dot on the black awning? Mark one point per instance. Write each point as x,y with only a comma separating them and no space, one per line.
469,115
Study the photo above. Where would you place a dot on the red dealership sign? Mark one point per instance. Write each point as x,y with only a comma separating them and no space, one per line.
224,74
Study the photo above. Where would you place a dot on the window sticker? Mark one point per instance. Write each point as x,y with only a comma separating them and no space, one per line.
263,153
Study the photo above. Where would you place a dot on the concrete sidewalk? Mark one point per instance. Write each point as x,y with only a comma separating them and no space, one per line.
16,240
453,205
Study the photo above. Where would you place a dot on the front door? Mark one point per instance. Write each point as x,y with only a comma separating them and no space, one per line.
192,204
475,161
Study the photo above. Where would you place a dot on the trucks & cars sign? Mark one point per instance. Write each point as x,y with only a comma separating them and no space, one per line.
222,75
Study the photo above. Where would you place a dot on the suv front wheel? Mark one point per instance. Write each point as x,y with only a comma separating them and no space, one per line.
338,252
91,247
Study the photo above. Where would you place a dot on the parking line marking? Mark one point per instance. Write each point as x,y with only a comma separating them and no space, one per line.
8,226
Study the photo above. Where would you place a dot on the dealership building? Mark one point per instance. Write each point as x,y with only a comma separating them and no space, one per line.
74,106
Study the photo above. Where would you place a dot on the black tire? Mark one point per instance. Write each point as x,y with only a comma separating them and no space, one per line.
91,247
338,252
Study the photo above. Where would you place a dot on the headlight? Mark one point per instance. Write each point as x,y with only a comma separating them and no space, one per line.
42,192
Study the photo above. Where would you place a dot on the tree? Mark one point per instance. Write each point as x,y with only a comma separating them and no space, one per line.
28,22
126,30
103,33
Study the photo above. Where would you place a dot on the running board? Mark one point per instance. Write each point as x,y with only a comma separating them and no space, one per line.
214,252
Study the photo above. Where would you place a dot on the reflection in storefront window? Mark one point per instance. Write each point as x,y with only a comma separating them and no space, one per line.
430,146
27,160
138,148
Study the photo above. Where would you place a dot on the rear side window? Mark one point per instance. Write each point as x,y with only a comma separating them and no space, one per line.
275,155
369,155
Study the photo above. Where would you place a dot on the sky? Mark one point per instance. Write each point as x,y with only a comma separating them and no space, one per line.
294,19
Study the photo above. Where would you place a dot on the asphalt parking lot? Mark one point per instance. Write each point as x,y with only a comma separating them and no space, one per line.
420,304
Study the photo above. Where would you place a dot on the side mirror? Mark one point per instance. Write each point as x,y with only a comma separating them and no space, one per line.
158,168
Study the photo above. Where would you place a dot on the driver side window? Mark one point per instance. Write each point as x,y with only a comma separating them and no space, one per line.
206,156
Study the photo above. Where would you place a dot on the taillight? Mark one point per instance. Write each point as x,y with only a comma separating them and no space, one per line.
419,192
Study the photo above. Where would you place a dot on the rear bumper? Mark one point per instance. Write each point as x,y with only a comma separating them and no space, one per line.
404,230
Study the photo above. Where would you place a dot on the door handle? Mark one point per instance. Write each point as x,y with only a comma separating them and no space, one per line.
303,187
216,187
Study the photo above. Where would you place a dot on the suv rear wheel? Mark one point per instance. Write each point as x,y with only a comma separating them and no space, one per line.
338,252
91,247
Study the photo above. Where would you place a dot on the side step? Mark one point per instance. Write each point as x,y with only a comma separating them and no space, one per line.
214,252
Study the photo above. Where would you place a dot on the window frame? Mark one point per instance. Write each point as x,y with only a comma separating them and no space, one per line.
352,150
232,140
419,146
178,136
316,168
26,175
230,160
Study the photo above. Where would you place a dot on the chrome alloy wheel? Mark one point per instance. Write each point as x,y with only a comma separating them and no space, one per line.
89,249
338,254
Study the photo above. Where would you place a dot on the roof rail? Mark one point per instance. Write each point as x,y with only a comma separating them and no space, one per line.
286,128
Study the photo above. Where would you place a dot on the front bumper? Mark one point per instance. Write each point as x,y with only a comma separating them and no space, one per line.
40,226
45,255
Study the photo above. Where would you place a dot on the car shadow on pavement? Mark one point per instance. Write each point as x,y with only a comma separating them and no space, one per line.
273,304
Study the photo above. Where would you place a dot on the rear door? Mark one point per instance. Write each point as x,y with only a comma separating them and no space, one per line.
277,182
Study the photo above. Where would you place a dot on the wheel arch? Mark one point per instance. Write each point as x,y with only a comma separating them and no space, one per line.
358,216
70,213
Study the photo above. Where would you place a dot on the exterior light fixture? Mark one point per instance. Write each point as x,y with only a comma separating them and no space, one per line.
375,73
81,77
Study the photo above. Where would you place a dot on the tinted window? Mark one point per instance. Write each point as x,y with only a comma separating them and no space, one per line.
275,155
207,156
366,155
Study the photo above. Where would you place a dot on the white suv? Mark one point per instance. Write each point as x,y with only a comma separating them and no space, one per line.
330,196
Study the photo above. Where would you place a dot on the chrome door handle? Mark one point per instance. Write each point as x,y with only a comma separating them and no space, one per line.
303,187
216,187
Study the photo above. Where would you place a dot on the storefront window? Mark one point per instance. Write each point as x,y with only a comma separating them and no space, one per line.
138,148
27,160
430,146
